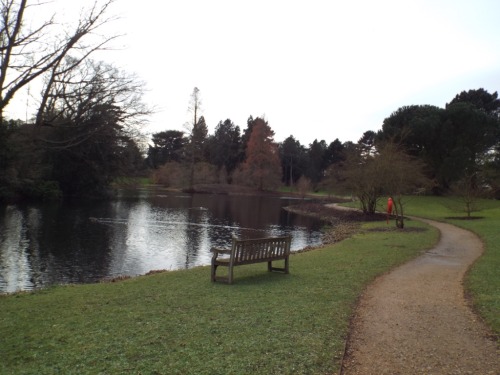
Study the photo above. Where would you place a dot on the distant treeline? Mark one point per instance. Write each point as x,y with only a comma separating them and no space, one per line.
84,158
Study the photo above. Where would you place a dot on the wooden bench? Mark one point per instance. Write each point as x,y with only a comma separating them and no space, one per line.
251,251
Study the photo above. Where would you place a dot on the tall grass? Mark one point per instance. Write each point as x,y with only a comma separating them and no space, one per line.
180,323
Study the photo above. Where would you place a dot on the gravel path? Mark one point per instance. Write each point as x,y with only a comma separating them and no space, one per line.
415,319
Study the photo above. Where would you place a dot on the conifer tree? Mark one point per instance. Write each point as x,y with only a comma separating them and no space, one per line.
262,166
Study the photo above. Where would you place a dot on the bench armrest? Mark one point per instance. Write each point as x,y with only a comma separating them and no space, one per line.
216,250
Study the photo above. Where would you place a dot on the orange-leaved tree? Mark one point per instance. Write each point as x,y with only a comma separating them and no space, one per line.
262,167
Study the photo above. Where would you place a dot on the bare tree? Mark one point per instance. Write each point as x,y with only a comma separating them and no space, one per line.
399,174
197,130
468,193
92,90
304,186
30,50
359,176
194,108
388,171
93,117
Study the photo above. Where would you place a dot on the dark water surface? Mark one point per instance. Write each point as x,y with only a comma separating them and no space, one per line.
146,230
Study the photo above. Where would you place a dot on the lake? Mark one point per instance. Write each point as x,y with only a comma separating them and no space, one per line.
137,232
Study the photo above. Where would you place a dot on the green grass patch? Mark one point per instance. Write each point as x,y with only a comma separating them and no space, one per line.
181,323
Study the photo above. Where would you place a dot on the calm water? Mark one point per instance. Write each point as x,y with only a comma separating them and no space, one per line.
41,245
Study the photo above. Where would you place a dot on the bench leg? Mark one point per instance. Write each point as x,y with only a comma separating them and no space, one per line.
230,275
270,267
213,271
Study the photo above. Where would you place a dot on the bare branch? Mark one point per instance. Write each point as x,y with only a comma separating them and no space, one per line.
29,53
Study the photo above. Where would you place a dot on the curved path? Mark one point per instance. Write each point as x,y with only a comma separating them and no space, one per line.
415,320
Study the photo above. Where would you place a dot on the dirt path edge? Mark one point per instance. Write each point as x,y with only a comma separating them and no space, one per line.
416,319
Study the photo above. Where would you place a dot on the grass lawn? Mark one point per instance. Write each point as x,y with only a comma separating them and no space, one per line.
180,323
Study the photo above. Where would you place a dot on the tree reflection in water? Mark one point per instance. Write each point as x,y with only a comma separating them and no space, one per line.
41,245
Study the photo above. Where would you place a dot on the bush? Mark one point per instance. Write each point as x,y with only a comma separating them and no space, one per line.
176,175
40,190
172,175
205,173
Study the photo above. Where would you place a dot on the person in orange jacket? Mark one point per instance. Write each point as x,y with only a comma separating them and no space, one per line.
389,208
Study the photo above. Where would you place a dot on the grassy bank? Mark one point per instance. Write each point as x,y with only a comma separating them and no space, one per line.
132,182
180,323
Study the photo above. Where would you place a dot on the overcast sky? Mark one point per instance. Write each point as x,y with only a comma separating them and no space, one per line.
314,69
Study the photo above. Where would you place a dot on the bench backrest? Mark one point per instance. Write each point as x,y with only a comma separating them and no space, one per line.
260,248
